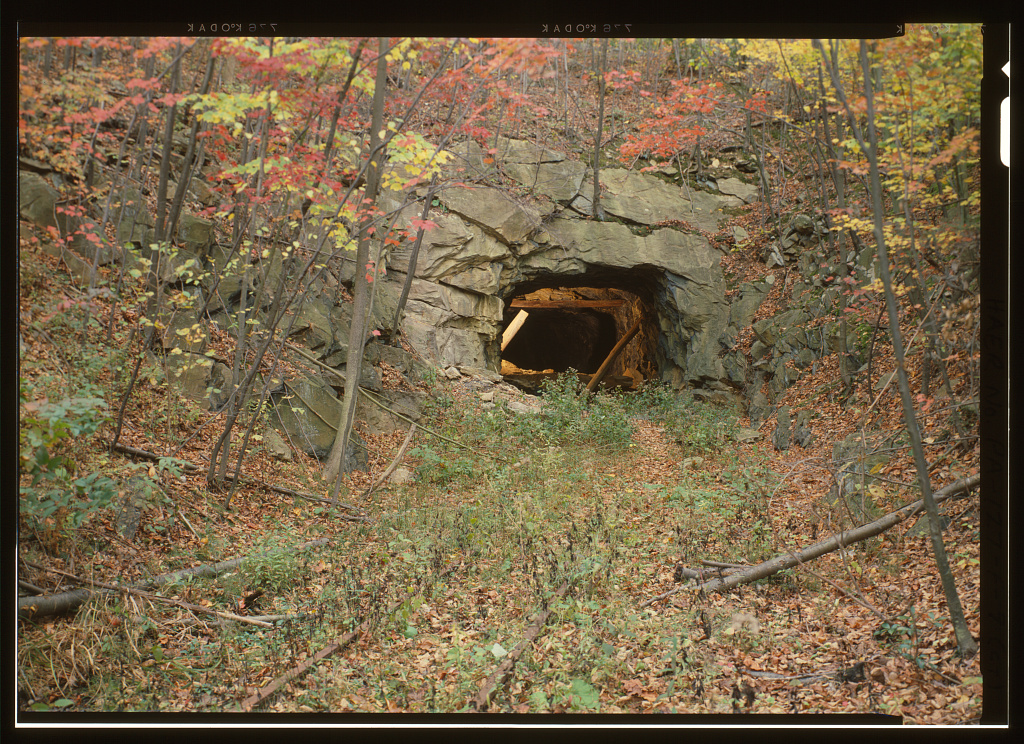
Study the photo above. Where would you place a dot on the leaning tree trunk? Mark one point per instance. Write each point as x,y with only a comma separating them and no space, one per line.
839,181
413,259
964,640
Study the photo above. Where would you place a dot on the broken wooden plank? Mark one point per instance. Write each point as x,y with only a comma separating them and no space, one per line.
513,328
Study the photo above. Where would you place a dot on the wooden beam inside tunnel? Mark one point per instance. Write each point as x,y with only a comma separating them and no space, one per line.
566,304
596,379
513,328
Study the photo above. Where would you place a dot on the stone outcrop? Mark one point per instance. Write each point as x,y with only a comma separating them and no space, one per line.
735,187
542,170
489,245
199,378
306,413
799,236
36,199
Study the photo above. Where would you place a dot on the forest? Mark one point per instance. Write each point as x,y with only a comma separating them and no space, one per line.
509,375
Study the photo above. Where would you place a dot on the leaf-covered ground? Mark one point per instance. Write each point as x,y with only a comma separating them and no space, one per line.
449,571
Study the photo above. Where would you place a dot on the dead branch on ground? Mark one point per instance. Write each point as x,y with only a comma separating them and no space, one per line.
297,671
479,701
842,540
394,463
56,604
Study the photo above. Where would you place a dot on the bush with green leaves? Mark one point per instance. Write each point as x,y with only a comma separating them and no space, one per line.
571,415
653,399
274,567
441,468
46,428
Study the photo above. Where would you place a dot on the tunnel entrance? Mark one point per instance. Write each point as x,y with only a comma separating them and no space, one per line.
576,328
560,339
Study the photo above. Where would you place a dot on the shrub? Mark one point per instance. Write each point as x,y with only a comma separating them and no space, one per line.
47,427
571,415
441,468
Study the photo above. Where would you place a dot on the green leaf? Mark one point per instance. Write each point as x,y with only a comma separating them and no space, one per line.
63,703
538,700
584,692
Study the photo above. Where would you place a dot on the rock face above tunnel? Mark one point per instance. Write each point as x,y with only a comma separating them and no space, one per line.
490,243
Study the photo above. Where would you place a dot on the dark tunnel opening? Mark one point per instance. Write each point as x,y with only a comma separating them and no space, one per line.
549,330
562,339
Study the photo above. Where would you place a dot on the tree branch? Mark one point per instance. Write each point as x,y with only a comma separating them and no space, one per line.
394,463
480,700
779,563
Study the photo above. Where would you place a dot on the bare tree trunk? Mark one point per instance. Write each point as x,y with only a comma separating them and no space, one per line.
965,642
329,146
839,179
153,284
598,212
413,258
165,161
335,464
679,65
222,451
191,156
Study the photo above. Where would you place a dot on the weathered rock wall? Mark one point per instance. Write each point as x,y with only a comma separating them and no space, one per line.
489,245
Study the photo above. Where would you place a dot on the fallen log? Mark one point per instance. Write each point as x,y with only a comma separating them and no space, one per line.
210,570
842,540
152,456
30,608
114,588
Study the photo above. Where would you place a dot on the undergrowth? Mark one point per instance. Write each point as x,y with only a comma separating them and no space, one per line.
509,515
455,564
